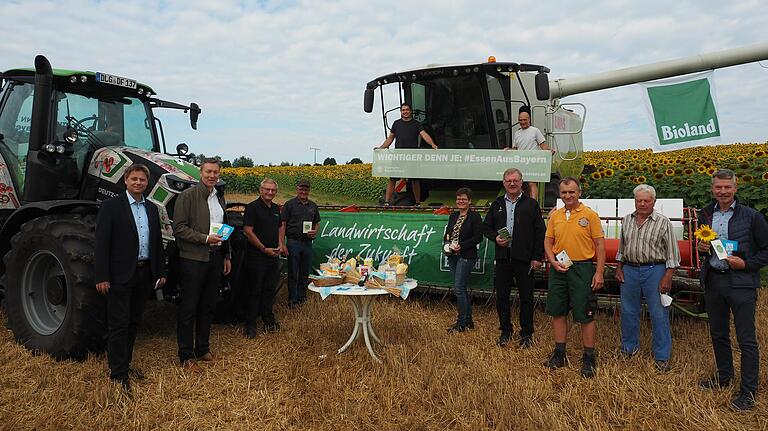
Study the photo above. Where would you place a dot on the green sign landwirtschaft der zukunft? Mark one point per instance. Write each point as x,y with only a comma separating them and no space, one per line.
418,238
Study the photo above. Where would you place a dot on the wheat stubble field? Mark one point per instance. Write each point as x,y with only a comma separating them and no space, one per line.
293,379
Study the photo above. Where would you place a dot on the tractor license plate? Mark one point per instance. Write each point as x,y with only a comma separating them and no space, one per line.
115,80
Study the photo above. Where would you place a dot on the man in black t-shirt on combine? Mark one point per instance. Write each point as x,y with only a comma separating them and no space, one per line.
405,133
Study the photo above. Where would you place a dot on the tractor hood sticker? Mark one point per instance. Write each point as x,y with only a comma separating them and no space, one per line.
180,168
8,199
109,163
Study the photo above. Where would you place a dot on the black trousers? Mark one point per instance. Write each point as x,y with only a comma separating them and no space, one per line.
721,301
200,283
125,305
264,274
505,272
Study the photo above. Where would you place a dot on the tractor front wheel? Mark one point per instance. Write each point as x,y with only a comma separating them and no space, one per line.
51,300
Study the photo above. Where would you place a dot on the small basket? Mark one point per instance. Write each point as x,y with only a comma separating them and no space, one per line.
327,281
400,279
352,277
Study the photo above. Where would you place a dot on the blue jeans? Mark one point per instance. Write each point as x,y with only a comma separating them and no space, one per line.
299,264
644,281
460,270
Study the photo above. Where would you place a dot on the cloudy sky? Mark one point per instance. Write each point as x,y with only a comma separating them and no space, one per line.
275,78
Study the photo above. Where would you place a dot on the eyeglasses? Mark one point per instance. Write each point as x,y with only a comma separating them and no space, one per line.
270,190
513,181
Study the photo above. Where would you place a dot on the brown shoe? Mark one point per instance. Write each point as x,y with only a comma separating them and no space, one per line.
209,357
191,367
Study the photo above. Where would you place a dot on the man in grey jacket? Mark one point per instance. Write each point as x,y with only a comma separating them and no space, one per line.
203,258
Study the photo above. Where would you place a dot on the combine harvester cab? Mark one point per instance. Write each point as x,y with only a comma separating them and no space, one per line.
66,137
474,107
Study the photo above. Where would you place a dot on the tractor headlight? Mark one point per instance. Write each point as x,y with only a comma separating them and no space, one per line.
178,184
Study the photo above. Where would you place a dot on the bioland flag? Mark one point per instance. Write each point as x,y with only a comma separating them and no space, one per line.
682,111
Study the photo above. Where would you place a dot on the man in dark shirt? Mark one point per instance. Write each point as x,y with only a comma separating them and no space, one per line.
300,218
262,226
405,133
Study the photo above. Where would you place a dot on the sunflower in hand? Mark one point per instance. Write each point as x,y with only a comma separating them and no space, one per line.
705,233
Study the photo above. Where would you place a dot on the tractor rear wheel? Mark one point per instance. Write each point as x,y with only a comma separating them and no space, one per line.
51,300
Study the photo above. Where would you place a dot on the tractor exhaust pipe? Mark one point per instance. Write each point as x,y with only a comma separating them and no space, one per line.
41,103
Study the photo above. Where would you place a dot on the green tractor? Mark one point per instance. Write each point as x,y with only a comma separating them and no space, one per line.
66,138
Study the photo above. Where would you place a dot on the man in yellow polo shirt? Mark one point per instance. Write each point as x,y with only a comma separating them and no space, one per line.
573,238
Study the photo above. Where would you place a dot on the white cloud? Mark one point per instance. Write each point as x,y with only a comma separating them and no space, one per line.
274,78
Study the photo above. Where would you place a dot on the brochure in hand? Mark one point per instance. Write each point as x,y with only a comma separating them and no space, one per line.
564,259
504,233
222,230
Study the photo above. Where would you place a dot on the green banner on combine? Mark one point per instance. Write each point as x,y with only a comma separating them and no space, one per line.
418,238
461,164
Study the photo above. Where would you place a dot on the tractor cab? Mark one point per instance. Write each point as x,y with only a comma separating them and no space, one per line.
80,113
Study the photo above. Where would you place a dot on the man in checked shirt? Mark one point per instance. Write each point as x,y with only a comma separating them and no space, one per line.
647,259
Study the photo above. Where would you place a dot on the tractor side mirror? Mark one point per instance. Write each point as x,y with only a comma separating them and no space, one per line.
500,117
182,149
194,113
368,100
542,86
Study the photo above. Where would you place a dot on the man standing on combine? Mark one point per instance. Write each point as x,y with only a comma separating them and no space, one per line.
405,133
529,138
128,259
573,238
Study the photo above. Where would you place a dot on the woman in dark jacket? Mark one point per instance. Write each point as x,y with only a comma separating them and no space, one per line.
462,235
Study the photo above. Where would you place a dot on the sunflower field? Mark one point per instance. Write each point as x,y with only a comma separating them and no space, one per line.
353,181
684,173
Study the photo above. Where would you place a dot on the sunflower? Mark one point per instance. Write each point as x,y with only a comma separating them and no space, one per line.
705,233
701,169
740,158
596,175
690,183
608,172
711,171
669,172
623,167
641,179
765,176
688,171
746,178
658,175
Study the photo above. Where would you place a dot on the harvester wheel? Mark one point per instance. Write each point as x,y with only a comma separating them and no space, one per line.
51,300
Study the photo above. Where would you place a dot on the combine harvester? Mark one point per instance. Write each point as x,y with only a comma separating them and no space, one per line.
470,110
